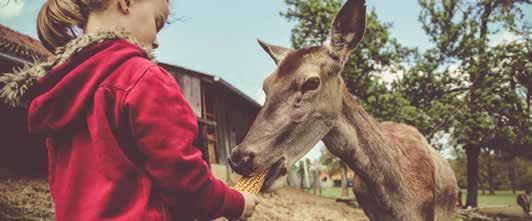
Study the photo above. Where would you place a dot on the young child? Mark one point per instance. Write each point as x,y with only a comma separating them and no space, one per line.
117,128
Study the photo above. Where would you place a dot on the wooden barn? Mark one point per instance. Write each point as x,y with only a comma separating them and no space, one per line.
20,154
224,113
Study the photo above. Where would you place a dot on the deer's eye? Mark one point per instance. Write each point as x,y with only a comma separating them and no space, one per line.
311,84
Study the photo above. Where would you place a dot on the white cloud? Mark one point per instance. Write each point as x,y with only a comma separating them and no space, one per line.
10,8
315,153
503,37
388,76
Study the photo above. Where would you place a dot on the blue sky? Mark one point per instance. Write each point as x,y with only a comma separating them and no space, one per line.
219,37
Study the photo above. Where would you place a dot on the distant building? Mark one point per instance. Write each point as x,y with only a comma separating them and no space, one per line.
17,49
224,113
19,154
337,178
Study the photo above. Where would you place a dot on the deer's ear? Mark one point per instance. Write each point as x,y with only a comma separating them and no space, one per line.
348,28
276,52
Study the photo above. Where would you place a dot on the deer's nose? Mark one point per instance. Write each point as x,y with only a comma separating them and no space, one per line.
241,161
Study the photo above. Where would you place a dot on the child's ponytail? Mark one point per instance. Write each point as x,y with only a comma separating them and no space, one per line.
56,21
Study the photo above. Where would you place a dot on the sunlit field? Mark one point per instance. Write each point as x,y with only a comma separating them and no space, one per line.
501,198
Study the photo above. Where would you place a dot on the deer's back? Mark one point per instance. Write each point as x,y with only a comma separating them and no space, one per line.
430,171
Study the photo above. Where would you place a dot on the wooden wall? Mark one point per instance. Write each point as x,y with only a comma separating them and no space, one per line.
23,155
20,154
234,117
229,111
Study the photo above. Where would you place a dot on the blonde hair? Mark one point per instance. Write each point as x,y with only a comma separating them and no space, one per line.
58,19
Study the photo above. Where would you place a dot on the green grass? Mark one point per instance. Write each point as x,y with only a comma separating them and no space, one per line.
504,197
335,192
332,192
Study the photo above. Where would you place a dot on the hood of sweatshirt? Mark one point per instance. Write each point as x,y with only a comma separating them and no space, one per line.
57,91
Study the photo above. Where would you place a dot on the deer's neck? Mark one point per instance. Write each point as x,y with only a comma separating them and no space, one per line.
358,140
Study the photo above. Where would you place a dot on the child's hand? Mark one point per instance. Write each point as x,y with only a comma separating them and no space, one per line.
250,201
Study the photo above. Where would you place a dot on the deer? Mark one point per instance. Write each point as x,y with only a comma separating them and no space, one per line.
523,200
401,176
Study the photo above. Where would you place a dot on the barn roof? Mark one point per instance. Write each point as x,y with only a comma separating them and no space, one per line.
211,79
28,49
21,46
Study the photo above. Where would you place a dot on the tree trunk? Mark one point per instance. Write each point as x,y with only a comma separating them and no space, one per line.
345,192
511,174
302,183
477,80
529,100
317,183
472,153
481,185
313,183
491,178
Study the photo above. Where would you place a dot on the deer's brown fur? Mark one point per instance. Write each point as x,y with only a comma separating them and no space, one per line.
400,176
392,160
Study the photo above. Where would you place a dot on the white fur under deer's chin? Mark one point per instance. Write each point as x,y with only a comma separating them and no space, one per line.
279,183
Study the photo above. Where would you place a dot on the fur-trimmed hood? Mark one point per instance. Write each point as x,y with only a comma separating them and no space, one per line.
17,84
57,92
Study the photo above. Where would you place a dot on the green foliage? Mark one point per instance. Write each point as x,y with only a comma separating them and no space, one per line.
313,20
501,198
487,112
459,166
524,174
501,168
334,166
377,53
433,93
509,102
493,173
460,31
466,86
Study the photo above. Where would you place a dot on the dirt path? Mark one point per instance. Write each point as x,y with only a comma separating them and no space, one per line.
30,200
291,204
514,213
25,199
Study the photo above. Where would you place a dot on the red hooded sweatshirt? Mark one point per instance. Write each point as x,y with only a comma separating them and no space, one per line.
119,135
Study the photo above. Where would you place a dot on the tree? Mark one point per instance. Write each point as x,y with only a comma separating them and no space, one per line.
460,31
301,172
524,174
511,174
432,93
336,166
511,76
464,86
377,53
459,166
506,173
492,172
316,181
